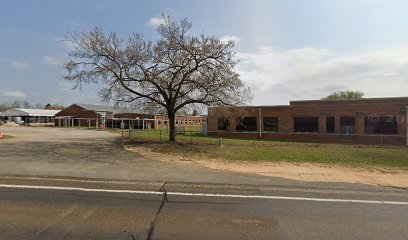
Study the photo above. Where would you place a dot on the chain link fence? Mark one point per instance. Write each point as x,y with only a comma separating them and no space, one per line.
197,137
162,136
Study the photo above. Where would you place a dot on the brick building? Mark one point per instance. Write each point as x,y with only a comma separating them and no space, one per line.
79,114
367,121
108,116
181,121
30,117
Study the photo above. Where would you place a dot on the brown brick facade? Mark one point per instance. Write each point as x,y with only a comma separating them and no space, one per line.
353,114
76,115
79,115
181,121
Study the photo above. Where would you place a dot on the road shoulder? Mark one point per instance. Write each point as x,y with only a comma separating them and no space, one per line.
294,171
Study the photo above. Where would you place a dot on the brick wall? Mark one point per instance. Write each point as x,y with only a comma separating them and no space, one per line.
182,121
359,109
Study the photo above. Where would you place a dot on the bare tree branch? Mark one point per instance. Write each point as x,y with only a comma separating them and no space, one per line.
172,73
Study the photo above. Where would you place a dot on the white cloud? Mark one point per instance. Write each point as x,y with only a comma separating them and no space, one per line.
228,38
13,94
277,76
52,61
66,43
155,22
18,65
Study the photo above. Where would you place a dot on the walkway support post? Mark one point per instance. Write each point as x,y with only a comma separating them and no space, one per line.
260,121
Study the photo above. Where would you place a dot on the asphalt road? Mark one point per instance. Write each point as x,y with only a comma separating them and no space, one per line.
37,208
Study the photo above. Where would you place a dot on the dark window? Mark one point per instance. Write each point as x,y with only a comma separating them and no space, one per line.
223,124
347,125
306,124
381,125
159,122
271,124
330,124
247,124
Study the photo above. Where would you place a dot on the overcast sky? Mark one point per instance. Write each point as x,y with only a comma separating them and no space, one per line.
288,49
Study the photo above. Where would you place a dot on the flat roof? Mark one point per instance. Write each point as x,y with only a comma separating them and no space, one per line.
112,109
26,112
349,100
259,106
291,103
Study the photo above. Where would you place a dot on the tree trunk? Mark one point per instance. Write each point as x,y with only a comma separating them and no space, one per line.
172,125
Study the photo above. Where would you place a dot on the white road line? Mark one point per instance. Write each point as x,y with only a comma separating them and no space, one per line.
286,198
202,194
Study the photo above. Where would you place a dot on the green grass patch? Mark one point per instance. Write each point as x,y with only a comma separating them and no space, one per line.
163,136
332,154
241,150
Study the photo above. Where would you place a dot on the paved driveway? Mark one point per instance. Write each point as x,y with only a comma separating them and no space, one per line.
99,154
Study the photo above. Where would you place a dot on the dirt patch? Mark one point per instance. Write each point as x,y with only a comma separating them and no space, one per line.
11,124
30,134
294,171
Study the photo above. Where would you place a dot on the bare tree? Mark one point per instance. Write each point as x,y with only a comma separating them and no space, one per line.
16,104
48,106
38,106
26,104
4,107
170,74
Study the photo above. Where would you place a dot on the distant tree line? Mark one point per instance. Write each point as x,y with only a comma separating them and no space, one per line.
344,95
25,104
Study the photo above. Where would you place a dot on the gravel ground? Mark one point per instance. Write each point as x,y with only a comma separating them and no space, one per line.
41,151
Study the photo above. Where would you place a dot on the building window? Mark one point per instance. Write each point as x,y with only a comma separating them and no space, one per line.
330,124
381,125
306,124
159,122
247,124
223,123
271,124
347,125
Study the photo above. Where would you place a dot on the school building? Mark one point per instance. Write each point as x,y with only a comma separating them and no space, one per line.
381,121
100,116
30,117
